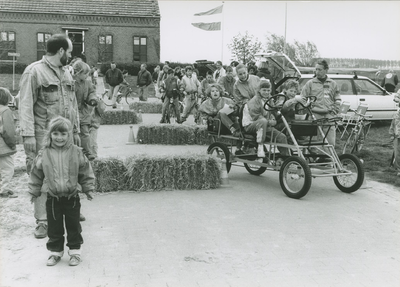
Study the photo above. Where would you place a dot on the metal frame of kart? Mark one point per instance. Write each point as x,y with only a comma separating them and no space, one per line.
307,150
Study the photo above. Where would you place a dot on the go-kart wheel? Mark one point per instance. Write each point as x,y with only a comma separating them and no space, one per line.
221,152
255,169
295,177
352,182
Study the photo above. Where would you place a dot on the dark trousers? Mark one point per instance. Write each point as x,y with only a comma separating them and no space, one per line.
58,211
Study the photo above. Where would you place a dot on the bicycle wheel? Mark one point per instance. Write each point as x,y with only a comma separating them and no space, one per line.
221,152
295,177
351,182
106,100
129,97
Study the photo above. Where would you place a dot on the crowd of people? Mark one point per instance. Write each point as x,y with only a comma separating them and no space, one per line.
59,111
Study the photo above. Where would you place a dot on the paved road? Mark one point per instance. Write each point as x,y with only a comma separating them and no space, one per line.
246,234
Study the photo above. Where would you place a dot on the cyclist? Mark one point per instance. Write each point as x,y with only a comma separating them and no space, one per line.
170,89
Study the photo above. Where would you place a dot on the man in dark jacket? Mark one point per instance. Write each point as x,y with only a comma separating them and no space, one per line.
144,79
113,78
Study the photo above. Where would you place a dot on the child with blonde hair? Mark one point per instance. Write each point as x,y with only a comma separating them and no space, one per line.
7,144
62,171
260,122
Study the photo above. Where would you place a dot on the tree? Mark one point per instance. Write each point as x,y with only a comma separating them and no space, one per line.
277,43
244,47
305,53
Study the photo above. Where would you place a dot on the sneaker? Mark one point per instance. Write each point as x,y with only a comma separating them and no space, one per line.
91,157
81,217
53,260
75,260
41,230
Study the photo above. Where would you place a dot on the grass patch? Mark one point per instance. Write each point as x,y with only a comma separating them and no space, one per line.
376,153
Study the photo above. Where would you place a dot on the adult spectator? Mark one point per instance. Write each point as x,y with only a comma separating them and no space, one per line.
263,72
46,91
390,81
327,95
219,72
113,78
246,87
227,82
144,79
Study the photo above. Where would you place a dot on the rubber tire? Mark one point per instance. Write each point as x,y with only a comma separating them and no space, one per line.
259,171
225,150
360,174
307,177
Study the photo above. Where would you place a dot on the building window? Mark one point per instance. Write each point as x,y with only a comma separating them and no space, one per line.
41,44
140,49
7,45
105,48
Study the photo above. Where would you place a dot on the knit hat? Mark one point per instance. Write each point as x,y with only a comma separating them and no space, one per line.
264,83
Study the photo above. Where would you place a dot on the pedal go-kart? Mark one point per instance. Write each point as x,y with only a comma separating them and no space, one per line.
309,158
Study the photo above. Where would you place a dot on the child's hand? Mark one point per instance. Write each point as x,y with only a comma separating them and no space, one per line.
89,195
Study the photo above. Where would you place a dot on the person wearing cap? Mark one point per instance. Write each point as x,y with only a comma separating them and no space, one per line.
390,81
256,120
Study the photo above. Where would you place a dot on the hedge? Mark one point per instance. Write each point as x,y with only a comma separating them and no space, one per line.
148,173
147,107
176,134
118,117
173,134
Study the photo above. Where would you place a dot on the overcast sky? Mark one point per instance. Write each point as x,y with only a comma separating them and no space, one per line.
340,29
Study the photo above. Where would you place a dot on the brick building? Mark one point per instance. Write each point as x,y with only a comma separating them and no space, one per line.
119,30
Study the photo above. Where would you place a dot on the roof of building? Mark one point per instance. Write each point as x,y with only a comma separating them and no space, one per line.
125,8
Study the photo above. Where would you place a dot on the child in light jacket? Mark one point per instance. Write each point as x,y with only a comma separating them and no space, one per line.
7,144
256,120
61,170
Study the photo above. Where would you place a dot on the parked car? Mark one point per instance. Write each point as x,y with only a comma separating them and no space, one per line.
357,90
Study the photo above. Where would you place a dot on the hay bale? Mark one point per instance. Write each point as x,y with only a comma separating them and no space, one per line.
149,173
118,117
110,174
169,134
147,107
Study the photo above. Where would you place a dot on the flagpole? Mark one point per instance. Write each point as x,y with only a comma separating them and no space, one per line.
222,33
284,47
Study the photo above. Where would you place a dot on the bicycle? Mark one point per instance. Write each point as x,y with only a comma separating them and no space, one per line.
124,91
170,112
358,133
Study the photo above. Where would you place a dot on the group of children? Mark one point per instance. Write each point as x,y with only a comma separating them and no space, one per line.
255,119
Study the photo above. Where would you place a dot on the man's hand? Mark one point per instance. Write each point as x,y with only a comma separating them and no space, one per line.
77,139
30,144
